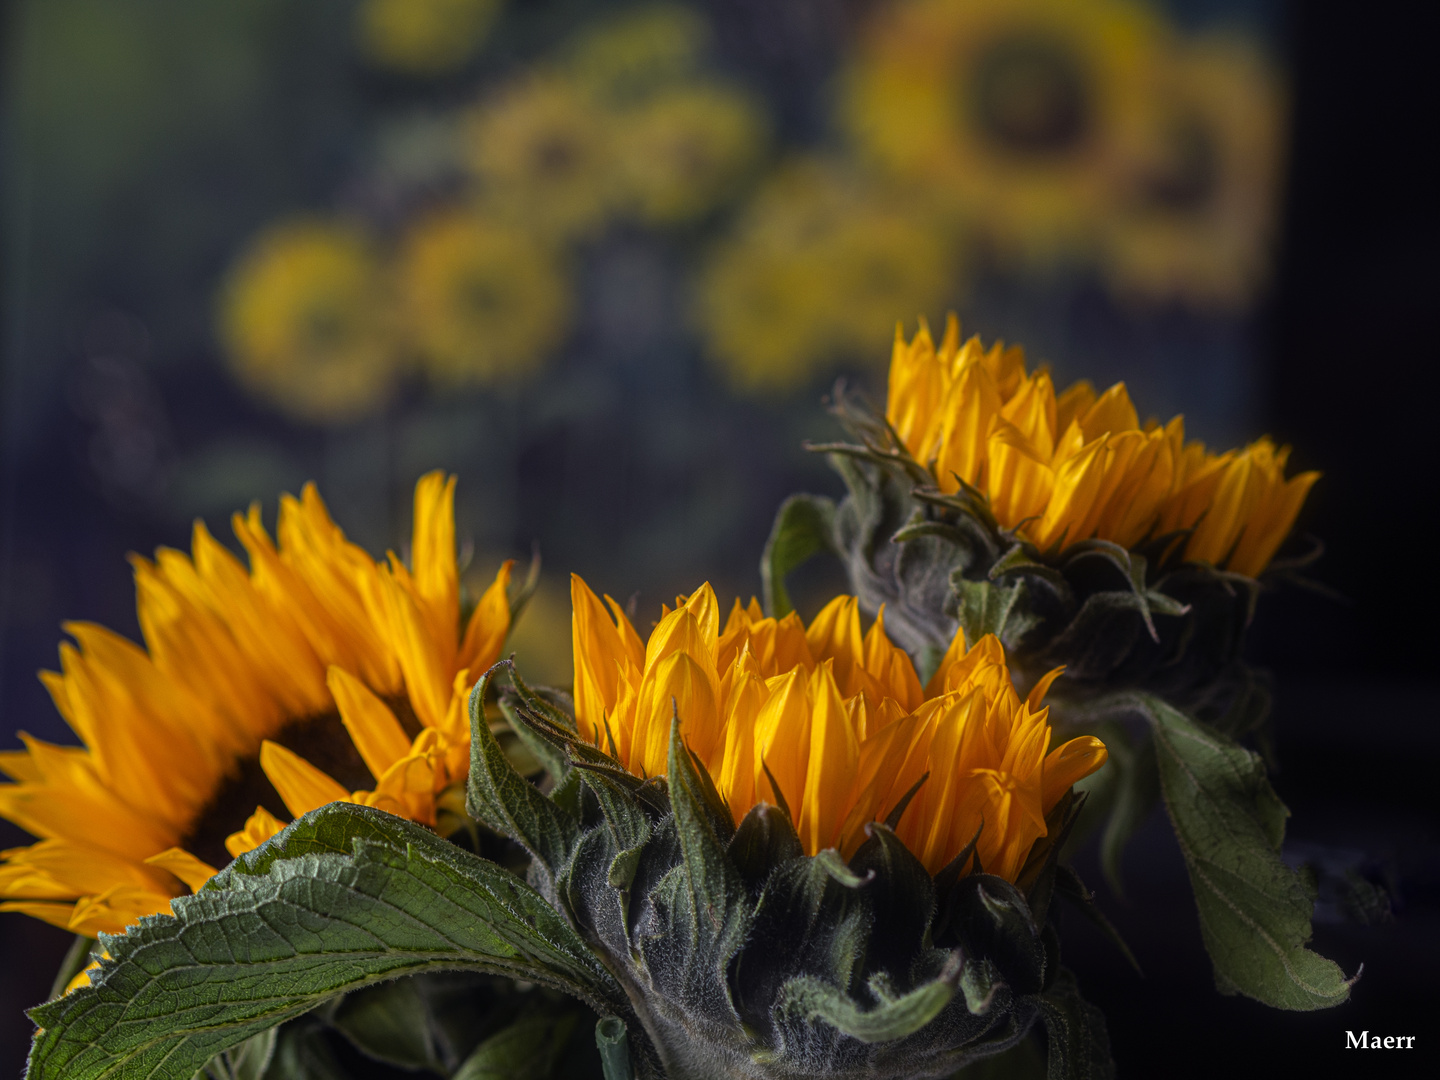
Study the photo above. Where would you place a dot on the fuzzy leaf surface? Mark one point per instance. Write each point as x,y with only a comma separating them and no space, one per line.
1254,910
345,897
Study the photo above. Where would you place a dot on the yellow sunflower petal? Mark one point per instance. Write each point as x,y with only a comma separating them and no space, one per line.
193,871
301,786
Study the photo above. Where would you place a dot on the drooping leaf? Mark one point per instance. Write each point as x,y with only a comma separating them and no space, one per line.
292,924
529,1047
1254,910
804,526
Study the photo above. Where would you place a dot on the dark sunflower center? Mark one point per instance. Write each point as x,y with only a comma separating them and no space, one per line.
482,296
556,156
1189,173
320,740
1029,96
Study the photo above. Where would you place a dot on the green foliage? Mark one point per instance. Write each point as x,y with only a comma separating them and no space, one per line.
804,526
1254,910
344,897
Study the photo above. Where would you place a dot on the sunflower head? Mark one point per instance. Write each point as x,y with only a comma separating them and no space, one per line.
798,859
313,675
307,321
1083,538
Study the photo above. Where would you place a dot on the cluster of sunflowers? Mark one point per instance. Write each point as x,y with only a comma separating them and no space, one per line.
1025,137
965,139
470,282
757,848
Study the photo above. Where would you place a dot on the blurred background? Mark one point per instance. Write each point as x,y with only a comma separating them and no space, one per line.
605,260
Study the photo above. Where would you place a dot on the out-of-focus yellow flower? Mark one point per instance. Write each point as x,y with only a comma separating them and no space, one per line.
1021,110
686,150
815,260
1064,468
307,321
266,685
483,301
545,154
634,55
424,37
830,724
1197,220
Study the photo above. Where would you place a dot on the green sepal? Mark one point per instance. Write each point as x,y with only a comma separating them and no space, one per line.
765,839
1079,1045
719,906
504,800
902,897
1255,911
894,1018
804,526
991,919
295,923
983,607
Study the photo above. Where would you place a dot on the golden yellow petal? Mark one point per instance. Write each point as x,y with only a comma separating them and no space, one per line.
192,871
489,624
432,553
259,827
1067,764
831,770
372,726
301,786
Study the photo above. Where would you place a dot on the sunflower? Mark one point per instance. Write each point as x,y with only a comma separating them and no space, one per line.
424,37
483,301
314,676
688,149
830,725
1198,221
1062,468
306,320
1020,110
543,151
815,260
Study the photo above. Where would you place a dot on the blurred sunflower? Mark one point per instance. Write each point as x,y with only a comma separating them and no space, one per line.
1198,222
630,57
306,321
1020,110
424,37
687,149
483,301
545,155
314,676
817,261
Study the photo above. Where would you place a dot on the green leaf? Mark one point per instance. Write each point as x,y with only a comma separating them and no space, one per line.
1254,910
507,802
303,1052
1079,1046
804,526
893,1018
248,1061
987,608
391,1023
293,924
530,1048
